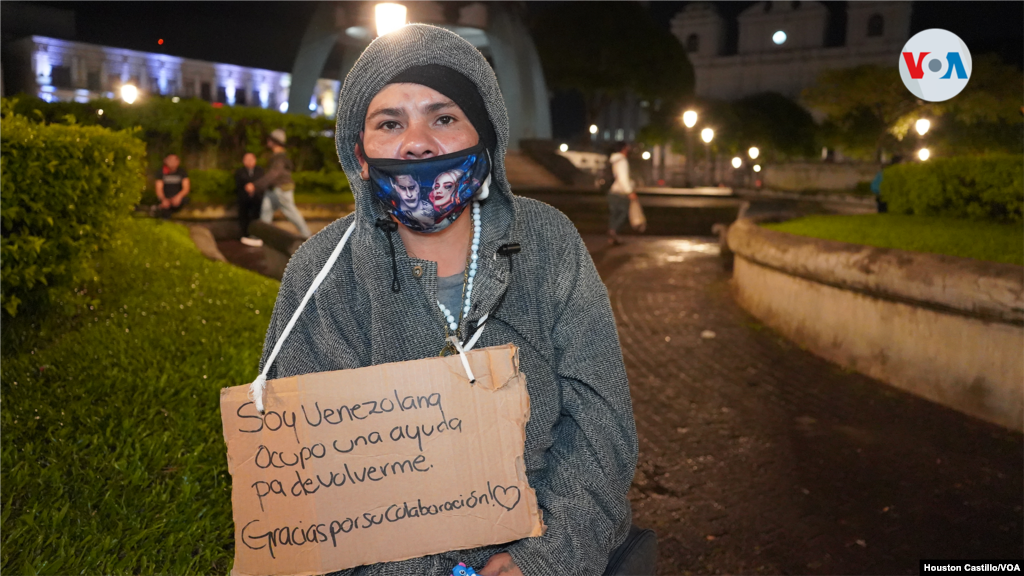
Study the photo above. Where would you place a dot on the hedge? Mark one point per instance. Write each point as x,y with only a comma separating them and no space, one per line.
65,190
979,188
206,137
218,186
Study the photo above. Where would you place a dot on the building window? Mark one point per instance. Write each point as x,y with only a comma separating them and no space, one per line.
876,25
61,76
204,91
222,94
189,89
240,97
693,43
92,81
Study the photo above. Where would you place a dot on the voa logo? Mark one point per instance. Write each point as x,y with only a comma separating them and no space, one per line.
935,65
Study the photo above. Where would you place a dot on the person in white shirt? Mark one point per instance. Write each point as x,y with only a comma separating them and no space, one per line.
620,193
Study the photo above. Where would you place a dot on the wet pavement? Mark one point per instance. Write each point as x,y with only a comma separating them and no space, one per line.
759,457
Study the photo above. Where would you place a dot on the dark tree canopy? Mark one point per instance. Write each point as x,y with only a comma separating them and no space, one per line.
603,49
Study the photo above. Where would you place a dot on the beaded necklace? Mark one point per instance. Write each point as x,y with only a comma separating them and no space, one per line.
451,325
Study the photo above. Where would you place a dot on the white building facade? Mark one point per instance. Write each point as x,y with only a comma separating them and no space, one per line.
62,70
781,45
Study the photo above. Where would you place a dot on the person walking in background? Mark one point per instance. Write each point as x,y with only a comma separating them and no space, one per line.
621,192
876,186
172,187
278,187
249,203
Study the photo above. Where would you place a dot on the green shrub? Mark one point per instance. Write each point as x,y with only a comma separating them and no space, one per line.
322,182
218,186
212,186
65,189
979,188
205,137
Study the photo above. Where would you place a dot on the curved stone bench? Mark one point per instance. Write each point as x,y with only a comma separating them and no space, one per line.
946,328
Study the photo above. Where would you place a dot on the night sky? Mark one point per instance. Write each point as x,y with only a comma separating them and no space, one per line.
267,34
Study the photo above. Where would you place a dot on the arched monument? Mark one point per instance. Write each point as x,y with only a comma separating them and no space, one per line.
339,31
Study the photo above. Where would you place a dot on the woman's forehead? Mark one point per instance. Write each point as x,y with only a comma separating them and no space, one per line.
405,98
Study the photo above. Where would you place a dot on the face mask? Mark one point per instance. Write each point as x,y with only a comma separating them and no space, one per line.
428,195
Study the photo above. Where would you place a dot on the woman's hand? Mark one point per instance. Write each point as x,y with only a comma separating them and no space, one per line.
501,565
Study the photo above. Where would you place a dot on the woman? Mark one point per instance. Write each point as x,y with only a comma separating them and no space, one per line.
423,100
442,195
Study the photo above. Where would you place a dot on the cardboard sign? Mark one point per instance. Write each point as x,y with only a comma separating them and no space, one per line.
379,464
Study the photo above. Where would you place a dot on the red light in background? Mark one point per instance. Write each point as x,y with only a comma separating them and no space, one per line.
160,41
218,104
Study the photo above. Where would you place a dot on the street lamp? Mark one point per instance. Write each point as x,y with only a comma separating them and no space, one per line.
707,135
922,126
129,93
753,152
390,17
563,148
736,162
646,155
923,154
593,128
690,118
757,167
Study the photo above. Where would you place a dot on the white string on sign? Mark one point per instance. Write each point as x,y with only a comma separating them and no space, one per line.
258,385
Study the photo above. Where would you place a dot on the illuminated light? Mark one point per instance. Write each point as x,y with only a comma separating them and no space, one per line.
757,167
779,37
175,99
753,152
283,107
129,93
229,91
100,112
690,118
563,147
47,88
593,128
217,104
707,135
646,155
312,103
390,17
357,32
329,103
923,154
922,126
160,41
736,162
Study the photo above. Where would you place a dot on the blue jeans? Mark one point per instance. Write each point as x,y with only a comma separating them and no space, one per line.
284,200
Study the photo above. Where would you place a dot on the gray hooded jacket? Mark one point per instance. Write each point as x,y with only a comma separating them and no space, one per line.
581,445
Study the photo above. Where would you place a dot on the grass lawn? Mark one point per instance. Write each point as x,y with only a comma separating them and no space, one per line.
955,237
113,459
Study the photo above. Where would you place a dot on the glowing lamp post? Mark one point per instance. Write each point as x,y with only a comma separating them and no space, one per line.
390,17
129,93
736,162
646,155
563,148
707,135
753,152
922,126
923,154
757,167
689,120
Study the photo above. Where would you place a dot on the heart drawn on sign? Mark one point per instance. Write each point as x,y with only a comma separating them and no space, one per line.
506,495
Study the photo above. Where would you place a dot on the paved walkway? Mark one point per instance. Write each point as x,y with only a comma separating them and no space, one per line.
759,457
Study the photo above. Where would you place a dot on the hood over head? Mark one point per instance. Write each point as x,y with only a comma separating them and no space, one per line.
400,55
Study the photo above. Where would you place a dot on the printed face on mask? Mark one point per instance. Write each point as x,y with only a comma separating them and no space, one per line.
443,192
408,190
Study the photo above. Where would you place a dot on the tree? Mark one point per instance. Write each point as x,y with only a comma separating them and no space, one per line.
605,49
868,110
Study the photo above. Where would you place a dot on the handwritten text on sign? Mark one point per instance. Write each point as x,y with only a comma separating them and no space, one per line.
379,464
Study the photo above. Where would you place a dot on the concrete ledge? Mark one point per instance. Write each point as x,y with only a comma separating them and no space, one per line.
948,329
987,290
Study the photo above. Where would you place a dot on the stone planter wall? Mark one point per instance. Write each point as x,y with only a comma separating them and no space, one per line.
948,329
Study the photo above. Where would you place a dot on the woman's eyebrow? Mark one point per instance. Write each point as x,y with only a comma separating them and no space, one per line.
439,106
391,112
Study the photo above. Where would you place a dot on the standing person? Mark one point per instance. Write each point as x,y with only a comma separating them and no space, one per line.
249,202
422,100
876,186
278,187
620,193
172,187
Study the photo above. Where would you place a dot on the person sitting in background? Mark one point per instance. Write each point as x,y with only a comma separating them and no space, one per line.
278,186
172,187
249,202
